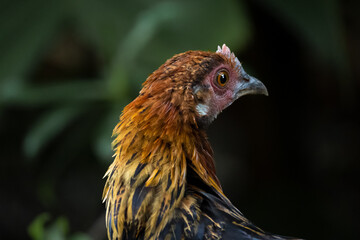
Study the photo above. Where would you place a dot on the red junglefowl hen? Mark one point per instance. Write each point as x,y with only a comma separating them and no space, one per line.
162,183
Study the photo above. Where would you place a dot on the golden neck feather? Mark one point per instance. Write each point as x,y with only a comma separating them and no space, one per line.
164,135
156,140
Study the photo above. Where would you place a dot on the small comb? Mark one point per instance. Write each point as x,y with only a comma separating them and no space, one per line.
225,51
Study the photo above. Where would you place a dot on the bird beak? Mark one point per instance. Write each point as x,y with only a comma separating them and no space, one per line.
250,85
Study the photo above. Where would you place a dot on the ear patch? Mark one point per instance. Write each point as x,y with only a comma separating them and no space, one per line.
202,109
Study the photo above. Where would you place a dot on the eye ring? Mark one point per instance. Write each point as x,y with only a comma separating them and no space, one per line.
222,77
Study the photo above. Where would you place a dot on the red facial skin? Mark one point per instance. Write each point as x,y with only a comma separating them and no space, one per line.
221,97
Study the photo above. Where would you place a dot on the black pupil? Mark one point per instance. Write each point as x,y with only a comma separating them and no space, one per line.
222,78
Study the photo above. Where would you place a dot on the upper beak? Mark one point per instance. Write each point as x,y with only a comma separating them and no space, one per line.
250,85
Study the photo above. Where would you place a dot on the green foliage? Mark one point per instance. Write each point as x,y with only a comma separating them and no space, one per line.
36,228
129,40
57,230
47,127
133,39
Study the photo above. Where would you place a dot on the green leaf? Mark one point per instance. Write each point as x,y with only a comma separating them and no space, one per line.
79,236
170,27
25,31
47,127
103,23
36,228
58,230
70,92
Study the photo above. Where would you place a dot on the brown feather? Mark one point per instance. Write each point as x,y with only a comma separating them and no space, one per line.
159,145
159,129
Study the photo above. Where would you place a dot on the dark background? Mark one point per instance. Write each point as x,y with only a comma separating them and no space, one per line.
289,161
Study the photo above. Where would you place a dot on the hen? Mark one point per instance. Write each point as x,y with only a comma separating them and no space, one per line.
162,183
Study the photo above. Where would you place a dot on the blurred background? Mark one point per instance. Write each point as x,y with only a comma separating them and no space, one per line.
289,162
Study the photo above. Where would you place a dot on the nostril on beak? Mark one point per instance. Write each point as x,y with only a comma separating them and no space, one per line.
246,77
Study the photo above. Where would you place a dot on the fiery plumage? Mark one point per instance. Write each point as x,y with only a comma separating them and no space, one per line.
162,183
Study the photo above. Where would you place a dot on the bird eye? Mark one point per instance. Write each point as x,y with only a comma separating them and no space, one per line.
222,78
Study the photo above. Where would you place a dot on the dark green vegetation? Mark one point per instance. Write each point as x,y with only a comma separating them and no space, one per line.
289,161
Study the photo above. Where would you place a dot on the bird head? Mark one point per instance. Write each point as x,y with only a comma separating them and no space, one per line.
225,82
160,135
199,85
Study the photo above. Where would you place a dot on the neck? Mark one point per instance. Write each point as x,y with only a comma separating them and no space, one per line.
154,142
165,135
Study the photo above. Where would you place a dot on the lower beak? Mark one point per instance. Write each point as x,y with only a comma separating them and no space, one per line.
250,85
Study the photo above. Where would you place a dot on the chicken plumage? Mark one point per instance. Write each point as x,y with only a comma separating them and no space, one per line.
162,183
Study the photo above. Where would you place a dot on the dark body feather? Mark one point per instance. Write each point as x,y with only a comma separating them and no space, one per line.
212,216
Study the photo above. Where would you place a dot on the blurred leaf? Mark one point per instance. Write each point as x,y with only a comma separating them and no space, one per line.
118,82
169,27
58,230
26,29
79,236
10,88
75,91
47,127
36,228
103,22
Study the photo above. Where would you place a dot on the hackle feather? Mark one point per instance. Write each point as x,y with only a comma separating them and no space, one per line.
162,183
